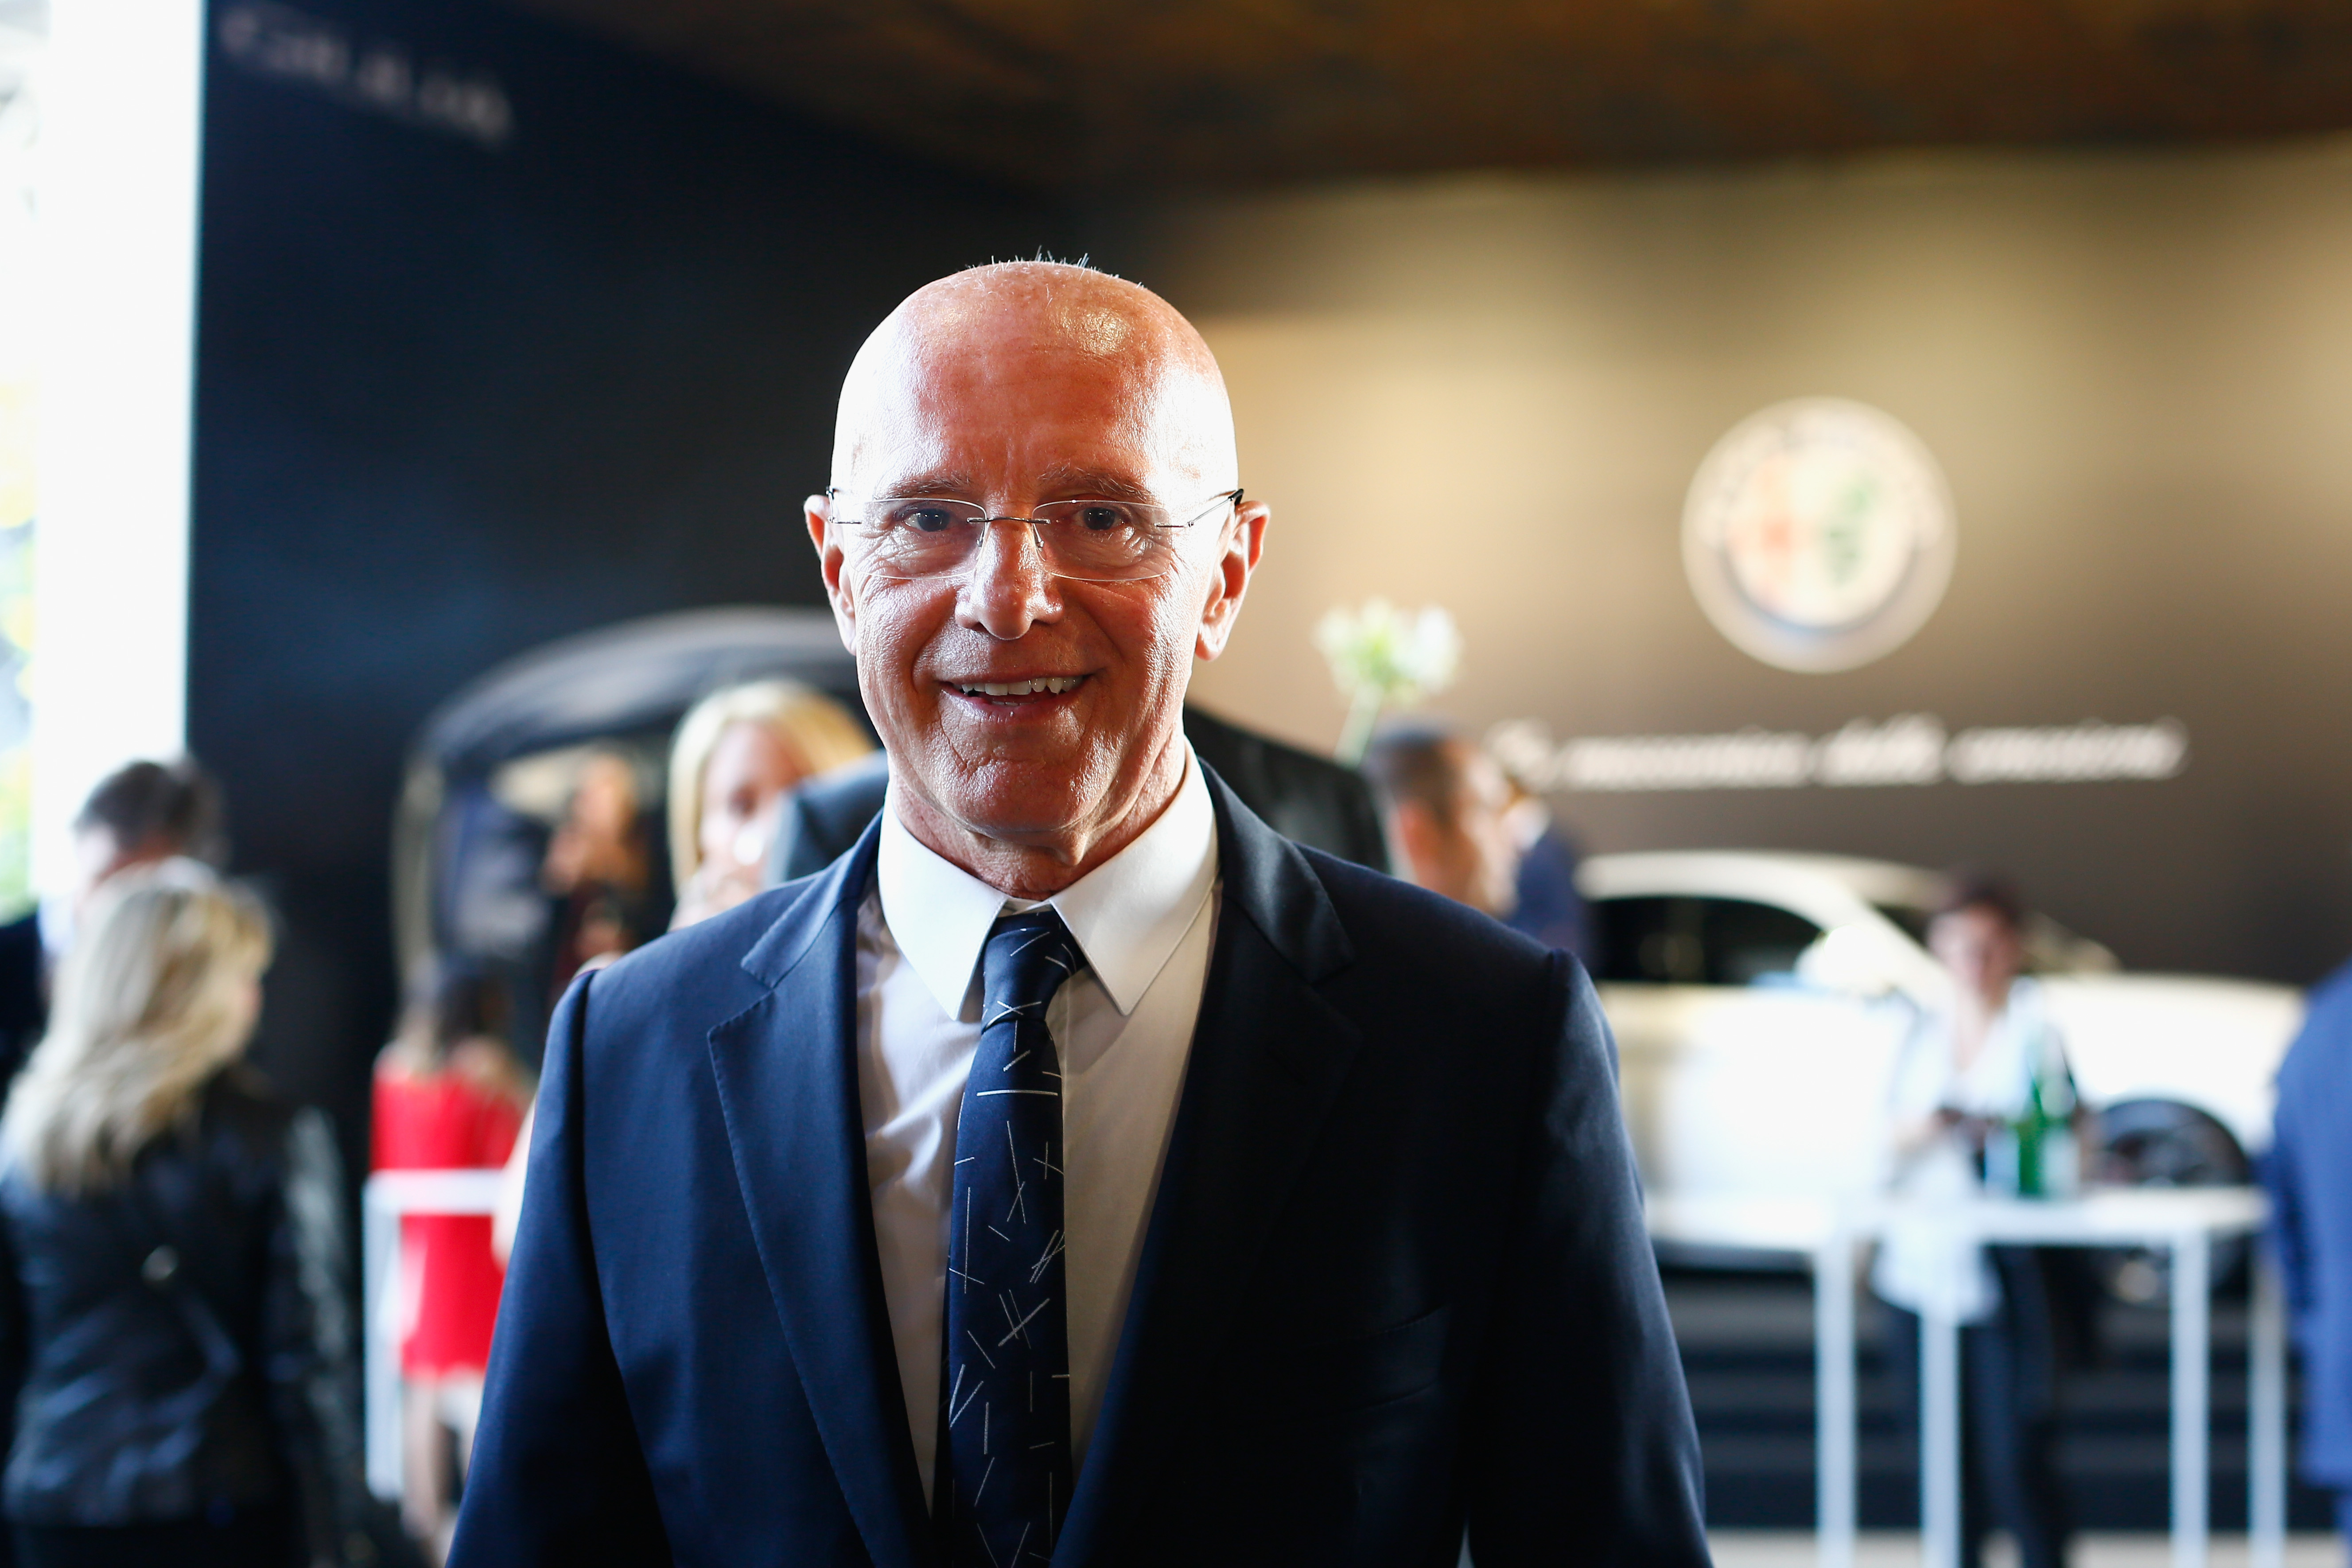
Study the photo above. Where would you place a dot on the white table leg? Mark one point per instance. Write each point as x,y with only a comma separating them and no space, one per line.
1835,1412
2266,1420
2192,1376
1939,1440
379,1271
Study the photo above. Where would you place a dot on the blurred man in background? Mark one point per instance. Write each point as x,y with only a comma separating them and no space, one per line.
1461,826
2309,1173
1449,816
1550,908
141,815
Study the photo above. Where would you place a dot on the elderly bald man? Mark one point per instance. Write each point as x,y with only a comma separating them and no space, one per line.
1075,1171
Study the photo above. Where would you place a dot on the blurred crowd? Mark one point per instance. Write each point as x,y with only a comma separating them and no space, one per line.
177,1333
179,1347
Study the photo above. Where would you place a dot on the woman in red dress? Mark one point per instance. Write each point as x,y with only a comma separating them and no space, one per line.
448,1095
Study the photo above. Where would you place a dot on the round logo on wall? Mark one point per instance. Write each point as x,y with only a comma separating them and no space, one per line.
1818,534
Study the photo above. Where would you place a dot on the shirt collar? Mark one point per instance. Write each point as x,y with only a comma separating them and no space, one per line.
1127,914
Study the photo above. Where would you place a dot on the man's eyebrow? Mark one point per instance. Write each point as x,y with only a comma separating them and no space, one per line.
1077,480
1060,480
956,485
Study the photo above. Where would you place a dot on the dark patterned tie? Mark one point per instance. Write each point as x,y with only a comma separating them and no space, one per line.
1005,1468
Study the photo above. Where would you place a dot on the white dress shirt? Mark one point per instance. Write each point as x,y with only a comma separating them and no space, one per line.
1145,920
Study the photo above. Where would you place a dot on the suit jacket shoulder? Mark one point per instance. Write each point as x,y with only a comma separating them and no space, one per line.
1427,940
691,978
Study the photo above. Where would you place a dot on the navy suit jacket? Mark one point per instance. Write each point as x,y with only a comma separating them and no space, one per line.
1394,1278
2309,1173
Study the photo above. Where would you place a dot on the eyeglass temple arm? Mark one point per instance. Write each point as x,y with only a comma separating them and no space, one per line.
1231,497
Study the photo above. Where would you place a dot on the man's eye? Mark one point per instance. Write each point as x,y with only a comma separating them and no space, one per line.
923,519
1101,519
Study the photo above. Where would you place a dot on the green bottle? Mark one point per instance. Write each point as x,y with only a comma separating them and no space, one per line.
2029,1129
2039,1151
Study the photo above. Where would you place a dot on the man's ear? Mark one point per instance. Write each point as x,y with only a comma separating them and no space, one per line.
840,588
1243,542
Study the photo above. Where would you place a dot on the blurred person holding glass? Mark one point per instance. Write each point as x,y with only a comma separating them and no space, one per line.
177,1351
449,1095
1982,1095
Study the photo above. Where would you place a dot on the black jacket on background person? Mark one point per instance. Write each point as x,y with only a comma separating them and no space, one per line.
24,1010
180,1343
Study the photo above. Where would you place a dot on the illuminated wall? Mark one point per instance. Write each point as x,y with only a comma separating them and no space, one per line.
23,44
2135,371
114,243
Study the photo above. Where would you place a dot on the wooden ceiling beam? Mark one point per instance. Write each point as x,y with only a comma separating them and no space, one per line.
1084,95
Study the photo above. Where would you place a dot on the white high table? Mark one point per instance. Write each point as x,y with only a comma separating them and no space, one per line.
387,1197
2185,1221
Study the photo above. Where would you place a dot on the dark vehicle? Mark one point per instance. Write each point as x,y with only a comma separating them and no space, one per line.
493,771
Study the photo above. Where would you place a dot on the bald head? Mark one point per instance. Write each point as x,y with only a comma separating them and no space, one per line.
995,337
1032,706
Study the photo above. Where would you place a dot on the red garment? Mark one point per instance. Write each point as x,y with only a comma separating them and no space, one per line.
449,1276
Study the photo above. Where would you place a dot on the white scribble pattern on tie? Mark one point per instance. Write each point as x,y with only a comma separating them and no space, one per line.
1005,1477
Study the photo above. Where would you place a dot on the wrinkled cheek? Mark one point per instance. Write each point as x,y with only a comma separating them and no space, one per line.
893,632
1172,647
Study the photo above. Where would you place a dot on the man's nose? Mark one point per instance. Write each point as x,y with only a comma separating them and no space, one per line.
1008,589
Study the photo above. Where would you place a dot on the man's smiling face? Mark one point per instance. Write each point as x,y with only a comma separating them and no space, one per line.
1028,709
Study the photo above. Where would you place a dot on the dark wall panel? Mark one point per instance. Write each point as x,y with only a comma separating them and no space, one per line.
2135,372
504,334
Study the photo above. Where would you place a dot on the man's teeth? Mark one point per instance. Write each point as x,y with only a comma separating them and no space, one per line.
1055,685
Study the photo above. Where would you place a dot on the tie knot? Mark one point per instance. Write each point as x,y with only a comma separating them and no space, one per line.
1027,958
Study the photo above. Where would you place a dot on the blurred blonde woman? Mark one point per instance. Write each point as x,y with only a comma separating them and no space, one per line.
172,1326
738,752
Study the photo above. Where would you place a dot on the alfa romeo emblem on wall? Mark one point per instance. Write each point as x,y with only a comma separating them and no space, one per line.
1818,534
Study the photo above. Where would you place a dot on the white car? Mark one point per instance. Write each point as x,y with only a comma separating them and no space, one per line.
1758,1001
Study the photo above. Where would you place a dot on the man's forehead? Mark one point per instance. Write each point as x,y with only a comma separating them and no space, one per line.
967,449
1054,357
908,475
1088,310
1014,366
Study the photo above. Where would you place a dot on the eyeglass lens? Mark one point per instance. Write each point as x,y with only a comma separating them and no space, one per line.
1095,541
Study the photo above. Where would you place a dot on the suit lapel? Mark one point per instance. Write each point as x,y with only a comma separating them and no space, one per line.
1269,1059
787,1076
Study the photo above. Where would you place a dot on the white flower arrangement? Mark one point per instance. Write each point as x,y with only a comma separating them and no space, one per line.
1382,656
